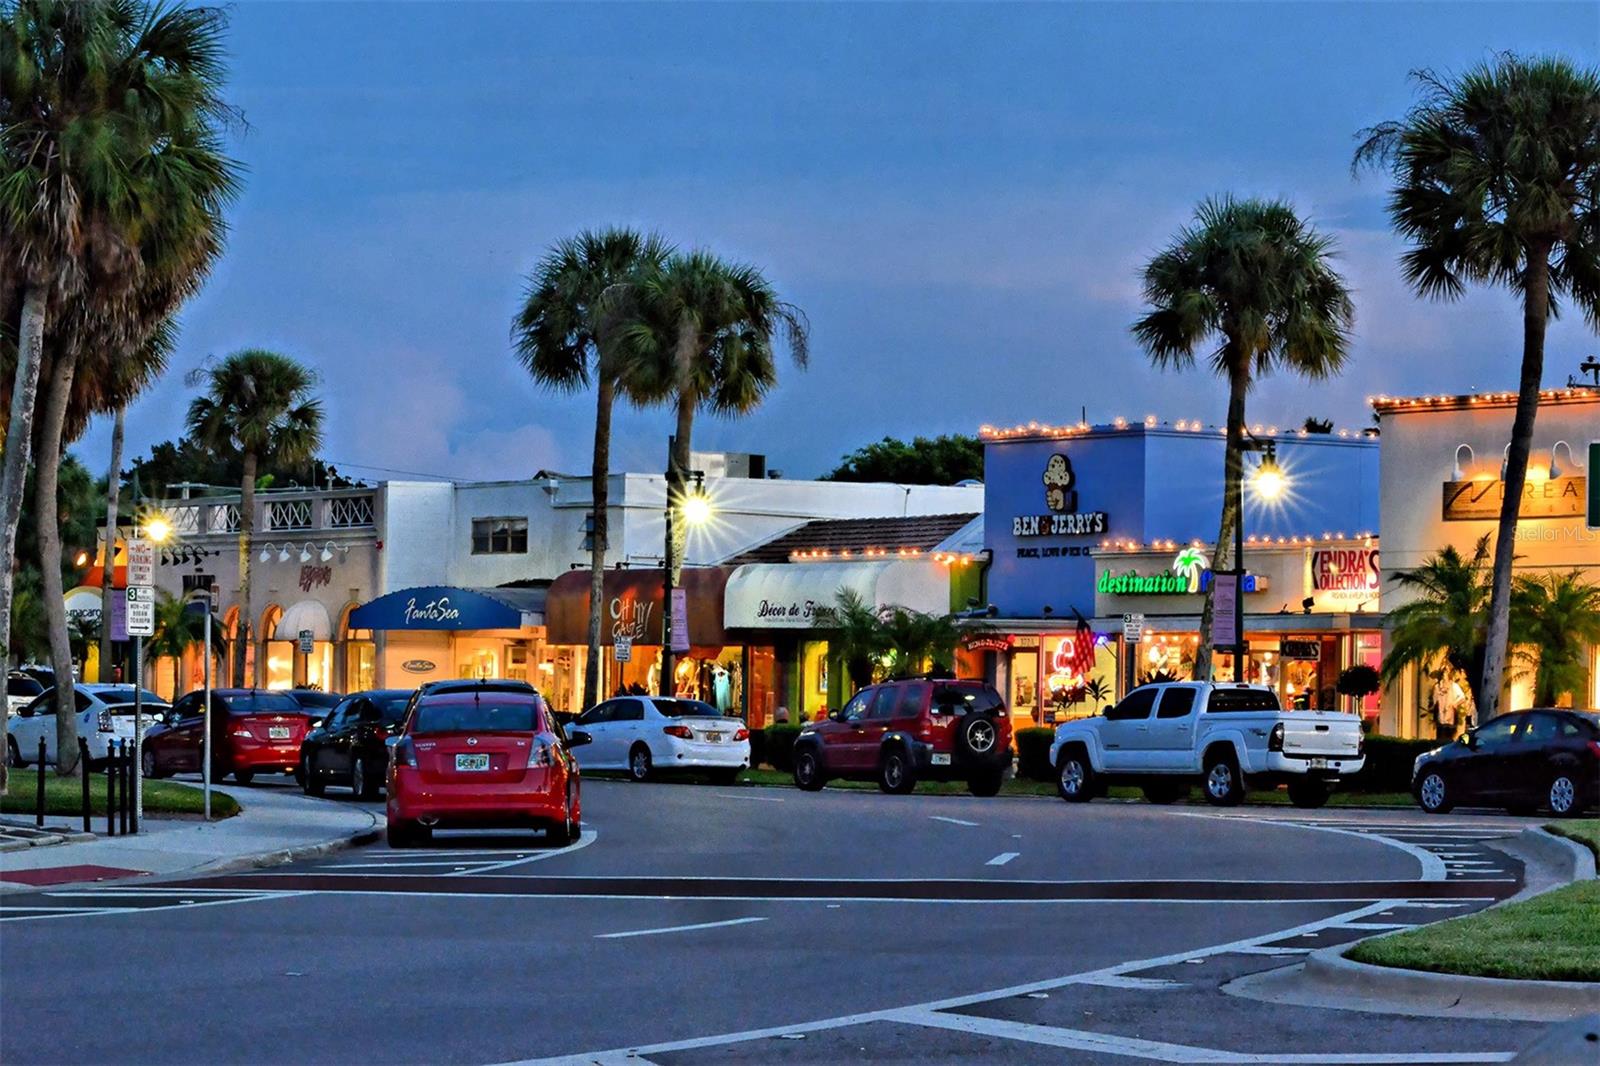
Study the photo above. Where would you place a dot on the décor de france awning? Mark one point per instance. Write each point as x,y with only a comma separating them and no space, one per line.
805,595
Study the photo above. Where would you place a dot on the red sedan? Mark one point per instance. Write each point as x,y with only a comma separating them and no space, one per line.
480,757
252,732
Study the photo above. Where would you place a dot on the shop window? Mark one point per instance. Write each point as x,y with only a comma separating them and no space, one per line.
516,662
361,666
1025,684
319,666
499,536
280,663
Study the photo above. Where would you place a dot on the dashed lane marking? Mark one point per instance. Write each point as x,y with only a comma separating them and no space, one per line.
1002,858
952,821
677,928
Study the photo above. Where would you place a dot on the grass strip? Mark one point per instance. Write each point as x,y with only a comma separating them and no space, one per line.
64,795
1585,831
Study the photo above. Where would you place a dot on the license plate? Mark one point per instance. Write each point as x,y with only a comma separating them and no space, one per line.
1319,764
472,762
712,738
941,760
278,732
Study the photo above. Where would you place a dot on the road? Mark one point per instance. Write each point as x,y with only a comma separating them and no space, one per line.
697,924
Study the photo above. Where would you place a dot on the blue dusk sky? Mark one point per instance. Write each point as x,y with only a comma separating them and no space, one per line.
959,197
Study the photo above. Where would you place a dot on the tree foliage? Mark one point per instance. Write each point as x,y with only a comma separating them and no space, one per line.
174,462
943,460
1555,620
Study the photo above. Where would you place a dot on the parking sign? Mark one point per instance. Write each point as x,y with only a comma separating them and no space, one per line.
141,562
141,601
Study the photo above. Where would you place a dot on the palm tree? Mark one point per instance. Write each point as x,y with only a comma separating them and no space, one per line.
564,335
1555,619
1442,627
860,638
1255,279
113,499
258,406
1497,181
704,330
177,629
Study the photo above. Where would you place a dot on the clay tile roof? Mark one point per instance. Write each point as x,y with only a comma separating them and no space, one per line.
856,535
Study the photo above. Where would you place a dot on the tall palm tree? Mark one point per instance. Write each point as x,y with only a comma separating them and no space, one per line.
259,406
1497,181
705,331
107,569
177,629
1254,279
1442,627
565,337
1555,619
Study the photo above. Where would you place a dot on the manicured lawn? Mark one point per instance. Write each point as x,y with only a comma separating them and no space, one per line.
63,795
1553,937
1583,830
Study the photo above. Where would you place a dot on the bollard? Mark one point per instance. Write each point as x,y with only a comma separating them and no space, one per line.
88,779
129,753
38,816
124,791
111,793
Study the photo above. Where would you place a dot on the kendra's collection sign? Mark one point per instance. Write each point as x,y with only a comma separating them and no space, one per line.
1061,497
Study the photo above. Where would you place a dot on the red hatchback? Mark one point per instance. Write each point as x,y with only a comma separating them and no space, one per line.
252,732
486,757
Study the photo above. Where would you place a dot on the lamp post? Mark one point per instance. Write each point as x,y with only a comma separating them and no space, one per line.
695,510
1269,482
158,531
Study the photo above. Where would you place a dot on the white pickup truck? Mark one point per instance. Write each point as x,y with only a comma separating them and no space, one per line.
1226,737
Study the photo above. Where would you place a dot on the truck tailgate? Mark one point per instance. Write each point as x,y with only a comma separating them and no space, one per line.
1321,733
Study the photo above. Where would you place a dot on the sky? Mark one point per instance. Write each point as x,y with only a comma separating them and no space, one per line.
960,199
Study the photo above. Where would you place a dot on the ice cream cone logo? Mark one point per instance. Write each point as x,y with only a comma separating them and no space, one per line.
1190,563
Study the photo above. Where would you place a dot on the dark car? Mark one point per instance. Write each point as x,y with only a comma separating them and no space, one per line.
1546,757
348,748
253,731
901,731
315,702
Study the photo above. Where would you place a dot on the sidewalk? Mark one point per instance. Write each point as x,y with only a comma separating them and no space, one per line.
274,825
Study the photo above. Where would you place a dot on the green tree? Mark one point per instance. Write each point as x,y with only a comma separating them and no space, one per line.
1254,279
704,331
893,641
1442,627
565,335
1496,178
259,406
944,460
178,627
1555,619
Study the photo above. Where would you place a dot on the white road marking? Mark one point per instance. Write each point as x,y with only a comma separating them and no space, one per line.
390,865
1432,866
1378,925
1154,984
76,913
952,821
1002,858
585,838
677,928
743,796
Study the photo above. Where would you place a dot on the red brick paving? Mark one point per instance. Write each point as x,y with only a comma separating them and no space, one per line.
64,875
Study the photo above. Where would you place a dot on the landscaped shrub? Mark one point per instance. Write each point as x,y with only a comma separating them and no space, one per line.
758,747
779,743
1388,767
1033,753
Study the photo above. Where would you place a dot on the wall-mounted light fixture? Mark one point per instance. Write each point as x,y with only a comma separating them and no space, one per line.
1459,472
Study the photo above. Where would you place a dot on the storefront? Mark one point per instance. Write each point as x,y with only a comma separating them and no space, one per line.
436,632
714,668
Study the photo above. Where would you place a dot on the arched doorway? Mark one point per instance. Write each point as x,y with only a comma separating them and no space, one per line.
358,654
275,667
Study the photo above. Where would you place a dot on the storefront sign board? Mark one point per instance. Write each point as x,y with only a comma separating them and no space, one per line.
1343,574
141,562
680,620
141,611
1224,610
119,618
1556,497
1303,651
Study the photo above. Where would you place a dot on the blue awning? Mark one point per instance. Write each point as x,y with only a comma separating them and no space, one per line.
449,607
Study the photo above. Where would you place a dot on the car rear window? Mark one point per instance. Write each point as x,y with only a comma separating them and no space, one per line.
982,699
261,703
22,685
686,708
494,715
124,694
317,700
1225,700
392,708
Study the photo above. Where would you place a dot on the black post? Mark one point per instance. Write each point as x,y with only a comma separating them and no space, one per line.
111,792
88,780
130,757
124,786
38,815
1238,586
667,684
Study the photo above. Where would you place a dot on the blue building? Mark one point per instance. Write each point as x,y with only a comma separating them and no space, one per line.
1070,510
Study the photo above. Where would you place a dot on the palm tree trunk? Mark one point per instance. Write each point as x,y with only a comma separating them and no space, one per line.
47,470
247,528
113,498
1232,474
1535,318
14,468
599,481
677,472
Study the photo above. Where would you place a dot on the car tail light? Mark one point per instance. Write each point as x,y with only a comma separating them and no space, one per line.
742,734
541,755
1361,744
405,753
682,732
102,721
1594,746
1275,741
244,734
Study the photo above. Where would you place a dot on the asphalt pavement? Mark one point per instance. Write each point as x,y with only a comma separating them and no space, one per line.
701,924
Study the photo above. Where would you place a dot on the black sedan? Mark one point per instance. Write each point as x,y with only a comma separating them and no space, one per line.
348,748
1522,761
315,702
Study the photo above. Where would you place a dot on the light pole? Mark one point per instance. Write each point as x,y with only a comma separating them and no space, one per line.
158,531
695,508
202,597
1269,482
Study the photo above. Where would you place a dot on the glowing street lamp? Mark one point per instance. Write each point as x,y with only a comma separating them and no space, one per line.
697,508
158,529
1269,480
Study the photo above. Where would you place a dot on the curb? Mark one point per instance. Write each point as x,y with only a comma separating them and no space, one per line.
260,860
1571,861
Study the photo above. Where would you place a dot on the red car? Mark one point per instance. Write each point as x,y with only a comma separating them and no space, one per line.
901,731
479,757
253,731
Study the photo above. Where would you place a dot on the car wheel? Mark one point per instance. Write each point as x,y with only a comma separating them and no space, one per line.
639,764
244,777
147,765
14,754
1074,777
1165,792
978,736
564,832
1308,793
1433,795
1563,796
1223,786
895,775
808,776
308,780
408,834
986,784
361,782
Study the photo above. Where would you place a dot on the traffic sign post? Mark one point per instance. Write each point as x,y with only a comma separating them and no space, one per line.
622,650
141,562
141,611
140,601
1132,627
1132,631
308,641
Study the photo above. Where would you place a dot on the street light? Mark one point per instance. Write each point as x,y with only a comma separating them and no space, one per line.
1270,484
1269,479
158,529
695,509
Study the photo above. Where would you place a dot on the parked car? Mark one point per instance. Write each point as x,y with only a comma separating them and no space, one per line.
648,734
349,746
20,691
105,713
317,703
253,731
1225,737
900,732
482,756
1524,760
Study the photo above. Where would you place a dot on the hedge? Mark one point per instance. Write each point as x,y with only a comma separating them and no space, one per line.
778,747
1033,753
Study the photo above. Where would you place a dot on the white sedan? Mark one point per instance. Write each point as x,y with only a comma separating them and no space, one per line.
648,734
105,713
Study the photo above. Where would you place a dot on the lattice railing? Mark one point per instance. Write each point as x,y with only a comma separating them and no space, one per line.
288,514
349,512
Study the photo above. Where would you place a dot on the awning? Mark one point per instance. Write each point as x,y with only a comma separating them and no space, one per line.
634,606
305,615
805,595
449,607
83,602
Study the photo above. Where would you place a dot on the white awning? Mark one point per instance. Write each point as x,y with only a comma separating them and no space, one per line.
307,614
804,595
84,601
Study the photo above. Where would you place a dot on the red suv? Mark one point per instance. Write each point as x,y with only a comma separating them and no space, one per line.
482,756
900,732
